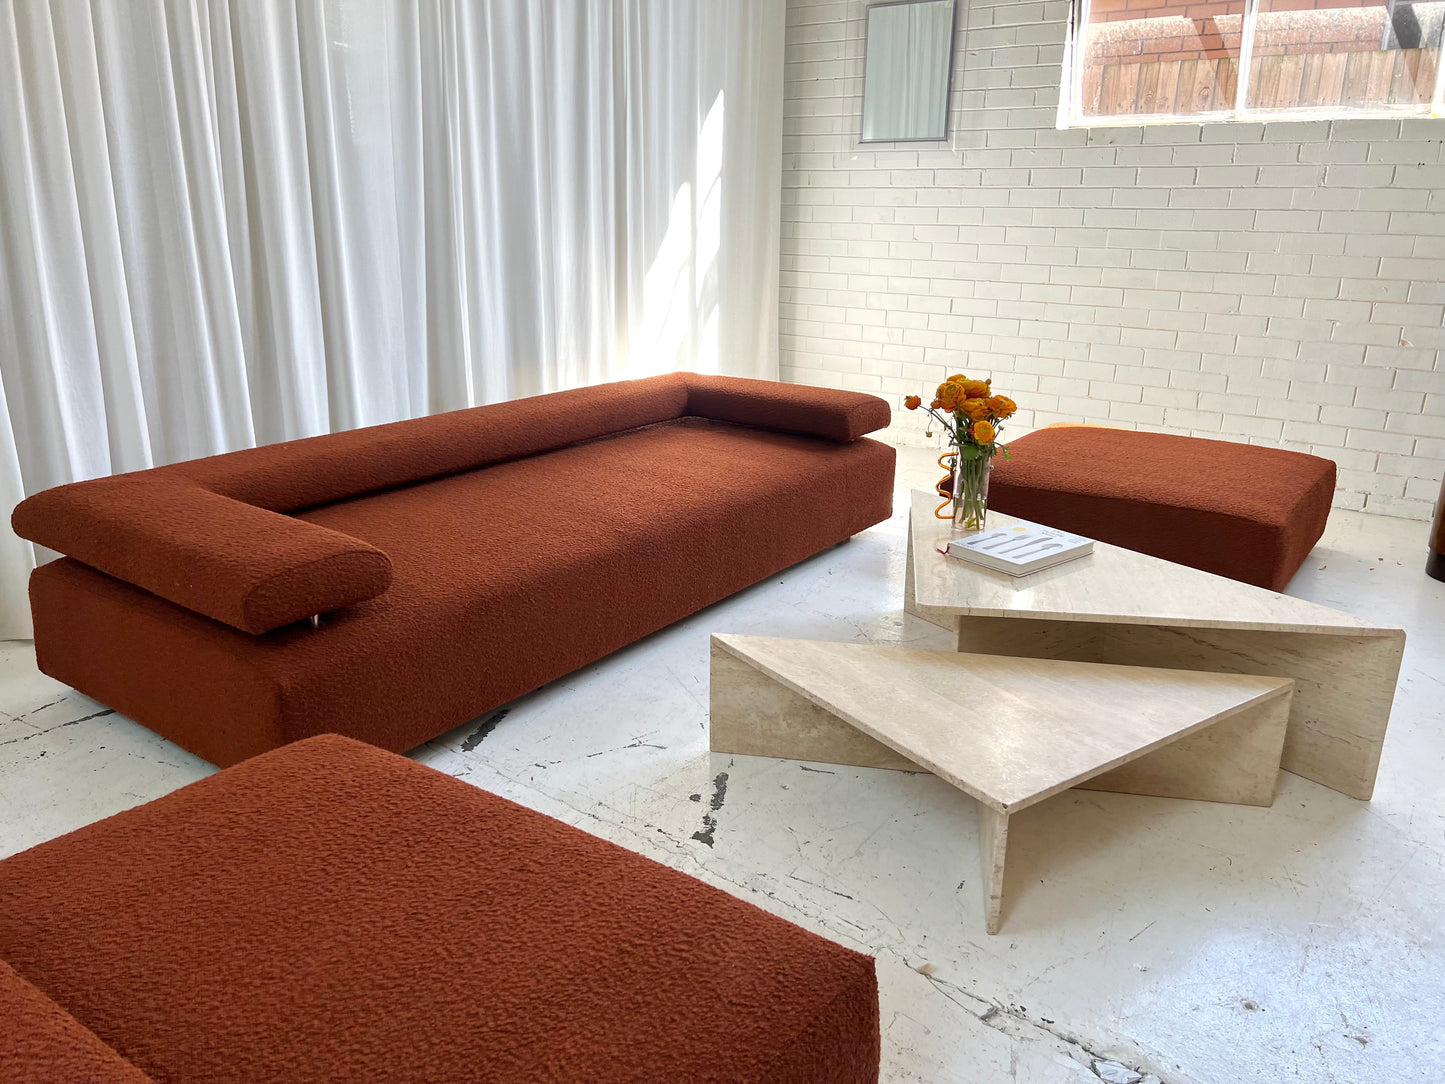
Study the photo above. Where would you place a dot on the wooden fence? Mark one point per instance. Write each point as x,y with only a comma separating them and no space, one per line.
1370,78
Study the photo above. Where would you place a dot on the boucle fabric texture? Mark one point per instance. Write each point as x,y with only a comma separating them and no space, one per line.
209,534
788,408
503,578
333,912
41,1043
1237,510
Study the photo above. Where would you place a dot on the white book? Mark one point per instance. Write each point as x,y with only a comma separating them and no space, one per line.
1020,548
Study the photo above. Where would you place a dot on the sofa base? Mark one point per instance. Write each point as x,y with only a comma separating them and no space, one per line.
81,652
120,645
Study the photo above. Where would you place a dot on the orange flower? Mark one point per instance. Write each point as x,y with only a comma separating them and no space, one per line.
975,389
983,432
913,402
949,396
957,381
975,409
935,404
1001,406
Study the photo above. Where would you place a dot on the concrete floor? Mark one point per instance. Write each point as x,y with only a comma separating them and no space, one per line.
1194,942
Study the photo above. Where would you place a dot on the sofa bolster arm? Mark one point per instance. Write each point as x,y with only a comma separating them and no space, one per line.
789,408
249,568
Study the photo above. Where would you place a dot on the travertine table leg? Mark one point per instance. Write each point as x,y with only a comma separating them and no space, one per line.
992,850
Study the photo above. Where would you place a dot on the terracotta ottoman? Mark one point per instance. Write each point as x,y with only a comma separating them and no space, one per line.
329,911
1238,510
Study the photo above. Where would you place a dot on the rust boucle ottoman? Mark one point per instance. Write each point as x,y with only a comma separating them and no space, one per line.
329,911
41,1043
1237,510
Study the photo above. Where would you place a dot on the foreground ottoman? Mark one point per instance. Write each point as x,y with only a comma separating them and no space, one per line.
1237,510
329,911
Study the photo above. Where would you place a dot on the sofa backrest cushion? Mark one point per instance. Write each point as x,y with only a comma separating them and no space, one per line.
321,470
788,408
41,1043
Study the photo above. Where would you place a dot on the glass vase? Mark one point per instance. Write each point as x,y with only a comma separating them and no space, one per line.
970,492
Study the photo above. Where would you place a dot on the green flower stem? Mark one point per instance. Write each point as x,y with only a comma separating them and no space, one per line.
970,488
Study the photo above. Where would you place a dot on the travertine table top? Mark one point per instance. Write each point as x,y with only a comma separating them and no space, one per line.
1007,731
1110,585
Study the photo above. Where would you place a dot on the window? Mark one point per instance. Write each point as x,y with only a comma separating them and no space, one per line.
1165,60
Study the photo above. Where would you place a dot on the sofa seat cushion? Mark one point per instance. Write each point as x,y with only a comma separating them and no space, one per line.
329,911
503,579
1237,510
41,1043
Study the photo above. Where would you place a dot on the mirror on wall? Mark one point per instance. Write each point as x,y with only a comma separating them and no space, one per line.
908,59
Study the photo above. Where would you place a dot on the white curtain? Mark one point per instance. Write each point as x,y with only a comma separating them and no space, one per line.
232,222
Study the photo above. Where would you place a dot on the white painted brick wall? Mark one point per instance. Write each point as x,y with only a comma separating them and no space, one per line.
1279,283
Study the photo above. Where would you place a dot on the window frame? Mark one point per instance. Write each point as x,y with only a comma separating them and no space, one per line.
1072,88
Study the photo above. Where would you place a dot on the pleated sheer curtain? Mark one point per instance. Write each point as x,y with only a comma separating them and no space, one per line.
232,223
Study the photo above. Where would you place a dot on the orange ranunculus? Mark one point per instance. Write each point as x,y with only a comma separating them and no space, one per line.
976,389
956,378
949,396
913,402
975,409
1002,406
935,404
983,432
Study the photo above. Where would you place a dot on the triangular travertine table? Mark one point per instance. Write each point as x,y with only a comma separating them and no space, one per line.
1119,606
1009,732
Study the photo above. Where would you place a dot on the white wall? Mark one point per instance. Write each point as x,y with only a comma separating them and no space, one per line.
1279,283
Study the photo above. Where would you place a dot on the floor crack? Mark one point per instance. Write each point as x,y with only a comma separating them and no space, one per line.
58,726
1011,1019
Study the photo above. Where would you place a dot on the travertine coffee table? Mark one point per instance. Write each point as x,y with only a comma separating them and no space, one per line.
1008,732
1118,606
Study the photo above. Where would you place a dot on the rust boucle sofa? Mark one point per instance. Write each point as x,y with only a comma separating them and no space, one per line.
460,560
329,911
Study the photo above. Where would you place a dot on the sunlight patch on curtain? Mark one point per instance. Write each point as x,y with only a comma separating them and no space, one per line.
225,224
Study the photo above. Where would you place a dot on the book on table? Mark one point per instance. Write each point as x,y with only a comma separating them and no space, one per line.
1020,548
